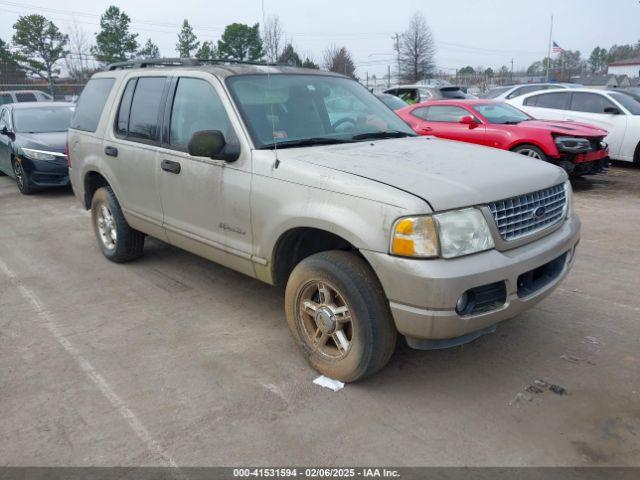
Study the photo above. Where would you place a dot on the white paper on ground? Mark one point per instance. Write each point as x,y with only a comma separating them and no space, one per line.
327,382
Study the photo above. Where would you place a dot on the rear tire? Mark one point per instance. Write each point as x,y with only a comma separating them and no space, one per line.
118,241
530,151
339,316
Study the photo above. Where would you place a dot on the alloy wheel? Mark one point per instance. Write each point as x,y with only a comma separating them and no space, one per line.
106,227
19,173
530,153
325,320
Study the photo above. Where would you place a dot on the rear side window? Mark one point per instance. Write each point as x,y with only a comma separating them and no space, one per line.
556,100
122,120
147,99
90,105
5,98
26,97
589,103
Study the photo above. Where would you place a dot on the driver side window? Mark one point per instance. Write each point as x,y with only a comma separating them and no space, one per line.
446,114
196,107
4,118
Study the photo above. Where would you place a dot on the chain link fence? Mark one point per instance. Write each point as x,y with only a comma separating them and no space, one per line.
64,88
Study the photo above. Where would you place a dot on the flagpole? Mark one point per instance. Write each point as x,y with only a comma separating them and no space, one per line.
550,40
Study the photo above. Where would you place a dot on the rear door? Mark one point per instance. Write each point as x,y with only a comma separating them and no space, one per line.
205,201
548,106
589,108
131,150
443,121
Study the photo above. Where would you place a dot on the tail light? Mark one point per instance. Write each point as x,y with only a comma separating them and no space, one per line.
68,156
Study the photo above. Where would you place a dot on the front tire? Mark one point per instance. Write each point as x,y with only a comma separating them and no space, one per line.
530,151
22,179
118,241
339,316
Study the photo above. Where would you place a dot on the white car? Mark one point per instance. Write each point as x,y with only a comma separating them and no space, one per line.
513,91
616,112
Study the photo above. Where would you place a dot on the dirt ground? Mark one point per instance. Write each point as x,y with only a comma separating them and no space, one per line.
173,360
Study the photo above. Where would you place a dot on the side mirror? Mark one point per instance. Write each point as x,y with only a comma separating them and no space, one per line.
613,110
5,131
469,120
212,144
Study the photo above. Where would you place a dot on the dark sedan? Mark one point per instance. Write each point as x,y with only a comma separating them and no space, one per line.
33,140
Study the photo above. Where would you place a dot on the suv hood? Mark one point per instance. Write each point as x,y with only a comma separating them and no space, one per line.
444,173
574,129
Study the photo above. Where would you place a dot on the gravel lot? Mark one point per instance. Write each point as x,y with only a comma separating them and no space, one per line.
175,360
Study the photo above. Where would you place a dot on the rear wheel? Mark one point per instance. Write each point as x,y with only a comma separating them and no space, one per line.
118,241
530,151
339,316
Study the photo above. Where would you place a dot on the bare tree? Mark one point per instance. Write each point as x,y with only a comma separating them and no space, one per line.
79,61
417,50
339,60
272,38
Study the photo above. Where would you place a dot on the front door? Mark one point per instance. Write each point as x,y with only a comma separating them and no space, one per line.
589,108
205,201
5,143
443,121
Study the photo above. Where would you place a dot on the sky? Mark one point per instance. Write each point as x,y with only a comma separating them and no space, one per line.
488,33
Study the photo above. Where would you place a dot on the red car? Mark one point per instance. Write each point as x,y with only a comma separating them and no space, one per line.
579,148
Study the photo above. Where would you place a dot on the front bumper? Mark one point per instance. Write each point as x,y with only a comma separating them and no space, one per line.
423,293
46,173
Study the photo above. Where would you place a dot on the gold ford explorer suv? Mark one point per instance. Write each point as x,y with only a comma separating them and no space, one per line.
304,179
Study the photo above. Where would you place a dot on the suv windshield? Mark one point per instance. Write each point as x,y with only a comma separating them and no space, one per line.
300,110
501,113
42,119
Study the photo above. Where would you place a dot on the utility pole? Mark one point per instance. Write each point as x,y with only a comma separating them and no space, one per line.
512,70
367,73
388,76
549,52
397,47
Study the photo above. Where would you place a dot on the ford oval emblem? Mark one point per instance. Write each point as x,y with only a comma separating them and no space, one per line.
539,212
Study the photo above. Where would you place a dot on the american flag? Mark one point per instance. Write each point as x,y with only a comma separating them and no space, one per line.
557,48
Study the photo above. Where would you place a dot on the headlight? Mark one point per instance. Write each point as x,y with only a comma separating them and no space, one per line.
448,235
568,191
573,144
41,154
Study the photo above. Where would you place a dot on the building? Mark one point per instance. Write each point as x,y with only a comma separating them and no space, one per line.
602,81
629,67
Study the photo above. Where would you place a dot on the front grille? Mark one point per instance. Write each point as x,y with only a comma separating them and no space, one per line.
524,215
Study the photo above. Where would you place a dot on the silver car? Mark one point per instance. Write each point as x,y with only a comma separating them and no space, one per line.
303,179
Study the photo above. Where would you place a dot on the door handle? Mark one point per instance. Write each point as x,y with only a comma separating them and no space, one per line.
171,167
426,129
111,151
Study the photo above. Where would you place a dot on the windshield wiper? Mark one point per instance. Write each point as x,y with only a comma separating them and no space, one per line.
382,134
303,142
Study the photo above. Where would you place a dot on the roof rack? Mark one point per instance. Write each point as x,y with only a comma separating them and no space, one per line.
178,62
154,62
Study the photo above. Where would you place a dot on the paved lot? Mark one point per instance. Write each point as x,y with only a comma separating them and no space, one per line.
175,360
